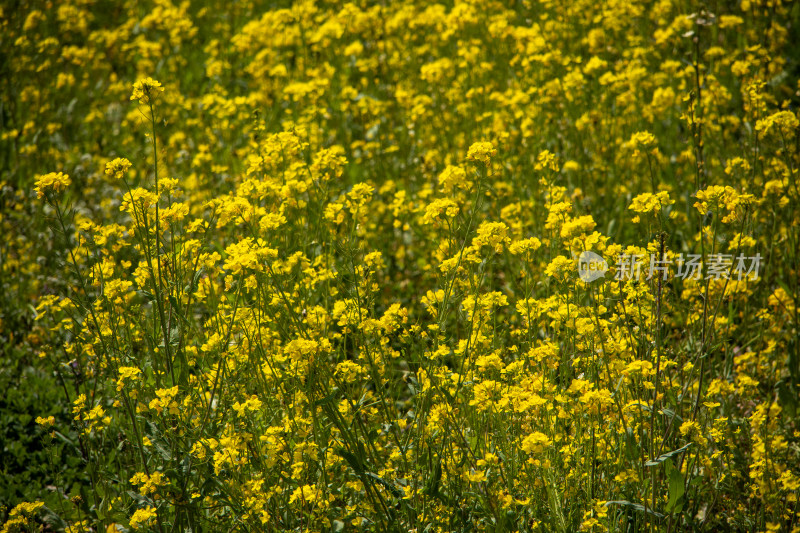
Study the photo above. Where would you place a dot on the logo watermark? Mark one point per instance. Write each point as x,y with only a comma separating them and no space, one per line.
592,266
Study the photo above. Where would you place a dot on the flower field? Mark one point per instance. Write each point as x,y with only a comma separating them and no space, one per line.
399,266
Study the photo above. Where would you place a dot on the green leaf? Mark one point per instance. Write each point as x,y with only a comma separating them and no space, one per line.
50,516
432,484
397,493
676,491
181,367
192,287
147,295
631,446
661,458
672,414
636,506
138,498
352,460
162,450
330,398
787,398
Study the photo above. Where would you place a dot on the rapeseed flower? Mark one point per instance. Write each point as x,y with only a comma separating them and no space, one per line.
53,182
146,90
481,152
142,517
309,276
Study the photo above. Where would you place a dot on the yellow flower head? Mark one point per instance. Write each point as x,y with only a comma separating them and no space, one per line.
721,197
493,234
481,151
785,121
138,198
643,139
546,159
437,208
53,182
536,442
117,168
453,177
145,90
142,516
127,372
650,203
46,422
304,494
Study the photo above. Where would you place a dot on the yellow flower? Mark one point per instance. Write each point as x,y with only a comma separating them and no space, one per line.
642,139
248,254
26,508
166,399
722,197
481,151
75,527
145,90
477,477
53,182
546,159
19,517
576,226
148,484
453,177
536,442
45,422
650,203
79,404
785,120
641,142
127,372
142,516
559,267
117,168
358,197
138,199
306,494
526,245
271,221
486,394
596,400
493,234
434,210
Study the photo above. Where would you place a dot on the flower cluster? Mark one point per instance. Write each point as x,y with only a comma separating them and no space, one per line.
146,90
400,266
